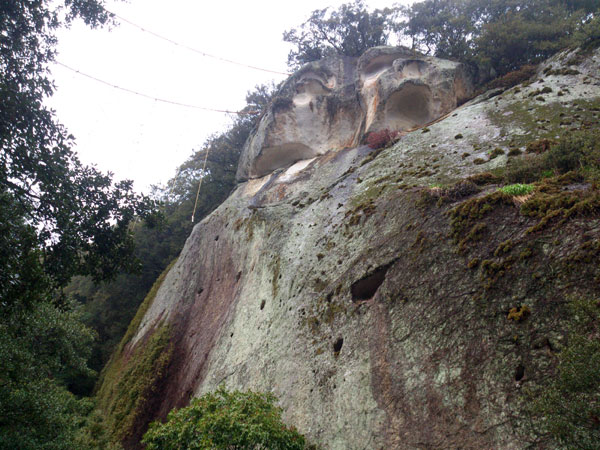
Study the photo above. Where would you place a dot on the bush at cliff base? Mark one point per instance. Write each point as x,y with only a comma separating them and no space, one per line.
225,420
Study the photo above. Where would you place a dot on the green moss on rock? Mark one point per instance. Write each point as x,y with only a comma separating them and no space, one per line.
129,381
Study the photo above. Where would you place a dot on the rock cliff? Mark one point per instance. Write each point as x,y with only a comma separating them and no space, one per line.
331,104
371,290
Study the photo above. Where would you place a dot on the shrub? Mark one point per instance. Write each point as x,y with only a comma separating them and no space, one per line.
225,420
540,146
495,153
481,179
574,151
524,170
513,78
381,138
517,189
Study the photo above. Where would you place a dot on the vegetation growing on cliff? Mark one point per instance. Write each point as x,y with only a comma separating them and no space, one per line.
494,37
129,380
225,420
569,406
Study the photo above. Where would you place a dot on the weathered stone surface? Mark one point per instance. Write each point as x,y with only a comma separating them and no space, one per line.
334,286
331,104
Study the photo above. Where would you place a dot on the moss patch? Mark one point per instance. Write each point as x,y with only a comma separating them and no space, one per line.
125,397
129,380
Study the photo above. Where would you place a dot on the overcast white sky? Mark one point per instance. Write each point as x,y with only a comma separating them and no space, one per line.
141,139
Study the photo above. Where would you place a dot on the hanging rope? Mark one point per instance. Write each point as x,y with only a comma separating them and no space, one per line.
174,180
200,183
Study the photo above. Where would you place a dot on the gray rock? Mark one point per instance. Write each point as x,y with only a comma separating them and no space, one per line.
331,104
334,286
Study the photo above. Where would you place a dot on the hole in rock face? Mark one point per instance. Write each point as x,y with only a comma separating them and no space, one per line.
408,108
365,288
379,64
277,157
337,345
413,68
312,87
262,305
519,372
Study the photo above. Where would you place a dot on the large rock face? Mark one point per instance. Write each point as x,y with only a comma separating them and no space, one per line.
336,284
331,104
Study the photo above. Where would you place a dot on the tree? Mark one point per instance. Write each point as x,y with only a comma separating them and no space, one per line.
58,218
42,347
348,31
497,36
225,420
81,217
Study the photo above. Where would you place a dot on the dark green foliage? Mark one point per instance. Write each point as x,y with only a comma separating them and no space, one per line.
577,151
349,31
225,420
22,277
58,218
438,26
494,37
498,36
569,405
42,347
81,216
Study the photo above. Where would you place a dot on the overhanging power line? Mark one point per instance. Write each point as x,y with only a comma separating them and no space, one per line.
150,97
187,47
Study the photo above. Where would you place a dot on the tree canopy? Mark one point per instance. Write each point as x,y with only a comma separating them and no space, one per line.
349,31
225,420
58,218
493,36
497,36
80,216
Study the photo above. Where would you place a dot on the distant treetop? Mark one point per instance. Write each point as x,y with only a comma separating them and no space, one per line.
349,30
493,36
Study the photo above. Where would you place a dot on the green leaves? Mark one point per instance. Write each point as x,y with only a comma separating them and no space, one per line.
58,218
79,215
349,31
42,348
497,36
225,420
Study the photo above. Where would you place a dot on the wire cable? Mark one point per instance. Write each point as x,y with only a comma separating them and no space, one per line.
187,47
162,100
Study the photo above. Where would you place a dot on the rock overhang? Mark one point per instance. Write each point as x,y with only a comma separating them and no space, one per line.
334,103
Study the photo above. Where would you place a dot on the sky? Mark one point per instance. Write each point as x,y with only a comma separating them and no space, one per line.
144,140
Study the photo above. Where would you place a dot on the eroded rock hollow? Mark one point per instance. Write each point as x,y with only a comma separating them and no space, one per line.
333,103
351,284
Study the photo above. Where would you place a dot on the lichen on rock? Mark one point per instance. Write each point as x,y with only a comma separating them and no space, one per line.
381,296
333,103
